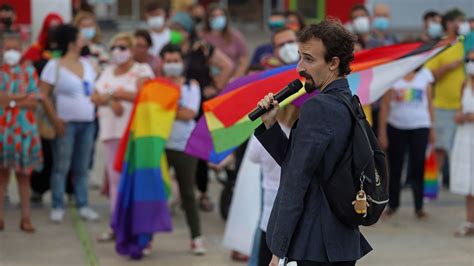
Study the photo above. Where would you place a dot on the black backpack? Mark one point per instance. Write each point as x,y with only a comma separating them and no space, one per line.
362,168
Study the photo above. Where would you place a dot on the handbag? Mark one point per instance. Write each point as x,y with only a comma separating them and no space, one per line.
45,127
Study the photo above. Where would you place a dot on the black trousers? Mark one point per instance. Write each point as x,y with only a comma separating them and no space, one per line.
202,179
415,142
40,180
313,263
264,253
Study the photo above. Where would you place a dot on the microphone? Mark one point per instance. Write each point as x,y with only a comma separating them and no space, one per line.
289,90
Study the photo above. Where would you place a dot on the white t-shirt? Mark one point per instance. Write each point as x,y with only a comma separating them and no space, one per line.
271,175
159,41
111,126
190,98
409,106
71,92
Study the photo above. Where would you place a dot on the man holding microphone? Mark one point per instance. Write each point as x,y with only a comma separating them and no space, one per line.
302,226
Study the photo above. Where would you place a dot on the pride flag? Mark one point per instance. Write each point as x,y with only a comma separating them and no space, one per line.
141,207
225,124
431,187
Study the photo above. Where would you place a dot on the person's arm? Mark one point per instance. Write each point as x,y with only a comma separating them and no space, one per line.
460,117
225,65
429,96
242,65
191,104
383,116
46,90
310,140
439,73
185,114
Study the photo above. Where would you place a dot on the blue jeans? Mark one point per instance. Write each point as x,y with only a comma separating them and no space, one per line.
72,151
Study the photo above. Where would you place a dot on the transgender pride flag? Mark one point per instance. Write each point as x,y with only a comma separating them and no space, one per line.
225,124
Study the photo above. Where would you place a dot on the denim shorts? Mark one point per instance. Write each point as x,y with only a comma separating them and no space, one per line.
445,129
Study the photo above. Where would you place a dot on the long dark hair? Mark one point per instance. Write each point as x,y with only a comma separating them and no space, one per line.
65,34
226,32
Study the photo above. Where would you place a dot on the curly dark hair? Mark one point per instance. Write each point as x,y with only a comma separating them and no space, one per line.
337,41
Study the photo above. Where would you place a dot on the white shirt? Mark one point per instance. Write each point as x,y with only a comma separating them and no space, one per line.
159,39
190,98
271,175
409,106
71,92
111,126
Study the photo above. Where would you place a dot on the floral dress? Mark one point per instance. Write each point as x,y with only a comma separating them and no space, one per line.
20,145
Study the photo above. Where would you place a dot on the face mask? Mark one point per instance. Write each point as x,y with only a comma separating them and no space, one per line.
470,68
276,24
361,25
289,53
464,28
218,23
381,23
88,33
119,57
11,57
156,22
435,30
173,69
197,20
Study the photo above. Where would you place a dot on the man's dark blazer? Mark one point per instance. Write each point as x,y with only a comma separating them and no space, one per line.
302,225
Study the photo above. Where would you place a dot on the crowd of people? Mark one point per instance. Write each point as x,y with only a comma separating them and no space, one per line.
69,88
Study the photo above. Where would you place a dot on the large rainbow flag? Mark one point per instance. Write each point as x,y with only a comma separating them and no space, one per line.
141,207
225,125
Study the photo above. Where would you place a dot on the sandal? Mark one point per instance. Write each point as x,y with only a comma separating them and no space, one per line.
389,213
237,256
421,215
26,226
465,229
205,204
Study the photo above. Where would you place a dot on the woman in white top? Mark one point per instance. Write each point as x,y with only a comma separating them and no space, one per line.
184,164
462,157
115,92
405,125
271,172
71,80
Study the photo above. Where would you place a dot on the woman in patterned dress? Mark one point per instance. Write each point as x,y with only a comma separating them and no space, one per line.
20,145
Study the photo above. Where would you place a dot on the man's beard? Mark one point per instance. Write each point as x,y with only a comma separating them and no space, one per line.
309,84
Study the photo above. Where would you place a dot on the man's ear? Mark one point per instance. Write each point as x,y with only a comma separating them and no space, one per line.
334,64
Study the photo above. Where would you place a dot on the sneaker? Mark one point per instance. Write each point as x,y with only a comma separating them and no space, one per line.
57,215
147,251
107,236
88,214
197,246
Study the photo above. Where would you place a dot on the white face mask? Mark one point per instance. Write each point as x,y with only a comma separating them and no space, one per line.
156,22
119,57
361,25
11,57
173,69
464,28
289,53
470,68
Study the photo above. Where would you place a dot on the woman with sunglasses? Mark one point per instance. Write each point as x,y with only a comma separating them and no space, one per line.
116,90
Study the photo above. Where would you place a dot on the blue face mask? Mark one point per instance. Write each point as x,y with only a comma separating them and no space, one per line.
381,23
435,30
218,23
88,33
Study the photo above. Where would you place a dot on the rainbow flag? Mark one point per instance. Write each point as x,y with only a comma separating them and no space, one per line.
431,187
225,124
141,207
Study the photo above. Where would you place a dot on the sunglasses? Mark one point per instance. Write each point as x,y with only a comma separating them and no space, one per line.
120,47
467,60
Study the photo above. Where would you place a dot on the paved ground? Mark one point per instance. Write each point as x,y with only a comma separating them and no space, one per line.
400,241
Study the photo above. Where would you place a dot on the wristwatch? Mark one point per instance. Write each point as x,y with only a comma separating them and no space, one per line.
12,104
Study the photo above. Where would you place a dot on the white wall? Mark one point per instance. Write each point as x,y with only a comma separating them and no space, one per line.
41,8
